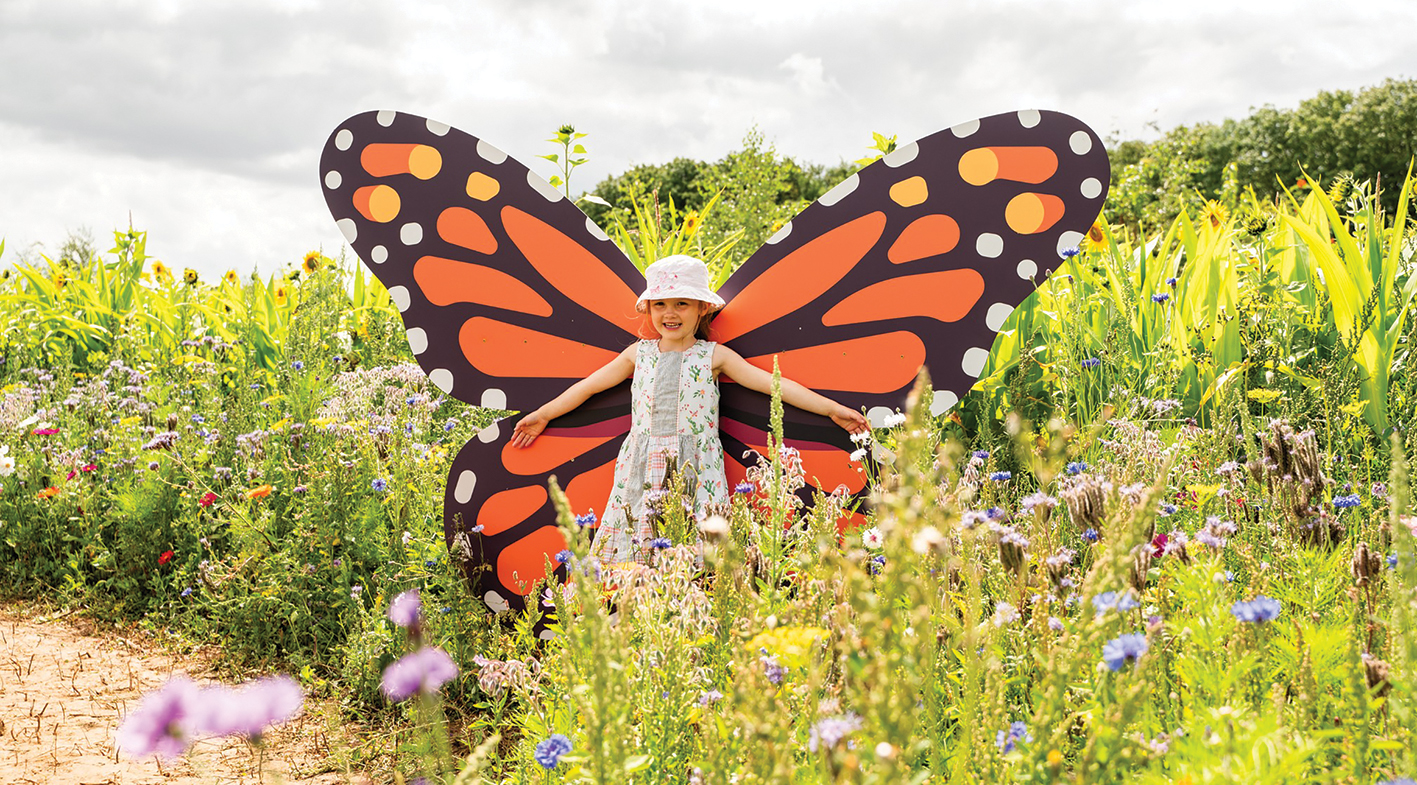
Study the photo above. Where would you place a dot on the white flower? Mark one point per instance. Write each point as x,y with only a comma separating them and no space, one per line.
927,539
885,751
1005,613
859,455
872,538
893,419
407,538
862,438
714,526
7,465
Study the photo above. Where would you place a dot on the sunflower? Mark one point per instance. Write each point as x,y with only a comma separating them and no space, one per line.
311,263
189,277
61,279
281,295
691,222
161,273
1215,212
1096,235
232,278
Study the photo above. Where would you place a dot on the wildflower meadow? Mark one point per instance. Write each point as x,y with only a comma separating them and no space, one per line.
1167,538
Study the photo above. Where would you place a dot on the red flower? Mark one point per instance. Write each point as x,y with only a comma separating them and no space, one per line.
207,499
88,467
165,557
71,475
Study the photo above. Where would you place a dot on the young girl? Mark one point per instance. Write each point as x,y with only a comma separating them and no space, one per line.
674,409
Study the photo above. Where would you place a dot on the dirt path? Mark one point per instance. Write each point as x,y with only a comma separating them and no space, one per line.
63,692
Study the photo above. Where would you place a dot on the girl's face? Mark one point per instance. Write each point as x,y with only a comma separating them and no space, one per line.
676,318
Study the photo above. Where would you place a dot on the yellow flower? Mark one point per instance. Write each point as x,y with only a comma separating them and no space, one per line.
1055,758
60,280
312,262
1215,212
1264,395
189,277
161,273
232,278
1096,236
280,295
691,222
792,646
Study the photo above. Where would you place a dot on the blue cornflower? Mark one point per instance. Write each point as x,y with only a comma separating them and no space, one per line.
1001,476
1090,535
660,543
1161,297
996,513
1068,253
1392,561
548,753
1171,282
379,485
1124,650
1091,362
411,400
1108,601
1008,739
874,565
586,520
298,365
430,564
450,425
1260,609
563,556
1168,509
1342,502
982,455
187,592
743,487
1076,467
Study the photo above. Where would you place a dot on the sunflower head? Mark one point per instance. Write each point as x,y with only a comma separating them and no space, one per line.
1215,213
311,263
1341,189
1096,235
281,295
232,278
1256,224
189,277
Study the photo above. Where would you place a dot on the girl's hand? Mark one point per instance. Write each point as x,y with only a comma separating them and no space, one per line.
528,428
850,419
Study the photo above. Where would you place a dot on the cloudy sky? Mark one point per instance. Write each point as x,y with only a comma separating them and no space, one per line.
203,121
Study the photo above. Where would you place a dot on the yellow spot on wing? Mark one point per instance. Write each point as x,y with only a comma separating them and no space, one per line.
424,162
909,192
481,187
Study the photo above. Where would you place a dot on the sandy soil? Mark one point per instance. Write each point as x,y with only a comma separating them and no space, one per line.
64,689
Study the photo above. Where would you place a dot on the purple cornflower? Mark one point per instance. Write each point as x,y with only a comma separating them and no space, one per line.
1068,253
425,670
1001,476
298,365
660,543
1171,282
563,556
743,487
829,732
165,722
982,455
379,484
1091,362
1007,740
874,565
1111,601
403,611
252,708
1259,610
548,753
1123,650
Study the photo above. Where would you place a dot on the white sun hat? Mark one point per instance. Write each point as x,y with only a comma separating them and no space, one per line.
677,276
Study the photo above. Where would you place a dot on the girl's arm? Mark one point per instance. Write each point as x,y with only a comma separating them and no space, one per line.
727,361
609,375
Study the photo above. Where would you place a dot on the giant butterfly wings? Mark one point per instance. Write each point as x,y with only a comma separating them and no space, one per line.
509,294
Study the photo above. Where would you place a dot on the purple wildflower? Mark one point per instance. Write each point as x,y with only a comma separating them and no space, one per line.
164,723
711,697
773,670
660,543
586,520
548,753
1160,297
1257,611
1076,467
1007,740
1001,476
1091,535
425,670
379,484
403,611
1344,502
1091,362
743,487
829,732
251,709
563,556
1124,650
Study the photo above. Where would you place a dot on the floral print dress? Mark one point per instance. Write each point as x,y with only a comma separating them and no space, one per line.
673,422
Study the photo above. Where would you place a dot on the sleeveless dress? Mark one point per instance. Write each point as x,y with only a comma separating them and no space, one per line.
673,420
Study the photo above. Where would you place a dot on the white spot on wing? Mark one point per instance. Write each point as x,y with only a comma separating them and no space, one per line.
595,231
1028,118
442,378
385,117
495,601
467,482
943,401
902,155
489,434
348,229
411,234
542,187
441,129
1068,240
780,234
344,139
989,245
546,635
1091,187
974,360
489,153
841,191
1027,269
333,179
379,254
1080,142
493,398
965,129
399,295
418,340
997,315
877,415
